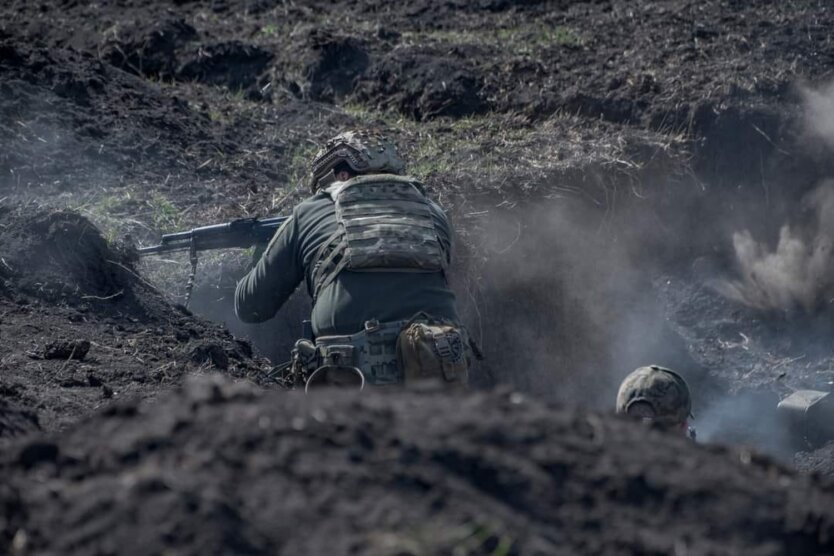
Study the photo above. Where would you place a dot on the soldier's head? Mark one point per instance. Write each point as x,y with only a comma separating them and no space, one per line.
658,395
352,153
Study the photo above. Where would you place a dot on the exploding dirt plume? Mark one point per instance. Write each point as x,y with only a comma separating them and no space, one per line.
799,272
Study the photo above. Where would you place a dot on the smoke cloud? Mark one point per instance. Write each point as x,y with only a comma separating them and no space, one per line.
561,299
750,419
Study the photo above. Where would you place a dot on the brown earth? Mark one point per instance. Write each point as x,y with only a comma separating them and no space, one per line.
228,468
79,327
595,158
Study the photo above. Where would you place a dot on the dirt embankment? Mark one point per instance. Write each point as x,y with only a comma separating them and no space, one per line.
80,328
228,468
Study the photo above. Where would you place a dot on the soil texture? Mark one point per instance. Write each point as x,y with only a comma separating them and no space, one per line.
598,160
225,467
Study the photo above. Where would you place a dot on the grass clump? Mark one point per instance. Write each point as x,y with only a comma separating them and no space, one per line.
164,215
270,30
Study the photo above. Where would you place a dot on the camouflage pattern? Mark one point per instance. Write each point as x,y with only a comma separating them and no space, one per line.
372,351
385,223
662,390
364,152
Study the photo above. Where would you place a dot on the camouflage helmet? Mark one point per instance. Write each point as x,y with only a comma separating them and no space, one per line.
656,393
364,152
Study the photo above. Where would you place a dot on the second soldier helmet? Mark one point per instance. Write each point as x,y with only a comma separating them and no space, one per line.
364,152
663,392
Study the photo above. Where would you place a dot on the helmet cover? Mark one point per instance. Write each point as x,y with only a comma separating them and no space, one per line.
664,390
364,152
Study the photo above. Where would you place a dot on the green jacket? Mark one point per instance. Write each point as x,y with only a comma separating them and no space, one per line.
354,297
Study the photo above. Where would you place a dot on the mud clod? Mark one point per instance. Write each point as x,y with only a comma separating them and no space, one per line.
67,349
211,353
817,461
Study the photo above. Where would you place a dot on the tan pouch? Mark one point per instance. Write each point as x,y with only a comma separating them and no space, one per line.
433,352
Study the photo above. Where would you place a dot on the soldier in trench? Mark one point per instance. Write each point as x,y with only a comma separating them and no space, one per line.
659,396
374,252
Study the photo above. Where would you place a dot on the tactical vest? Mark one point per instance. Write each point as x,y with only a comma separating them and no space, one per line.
384,224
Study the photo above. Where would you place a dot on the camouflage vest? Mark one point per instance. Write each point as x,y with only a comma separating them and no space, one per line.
384,224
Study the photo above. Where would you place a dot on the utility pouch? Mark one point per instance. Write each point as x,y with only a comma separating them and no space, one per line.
336,355
433,352
372,351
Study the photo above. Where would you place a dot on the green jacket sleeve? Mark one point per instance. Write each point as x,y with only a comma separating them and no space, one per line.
270,283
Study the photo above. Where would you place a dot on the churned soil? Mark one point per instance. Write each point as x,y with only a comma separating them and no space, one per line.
718,71
223,467
80,328
595,157
817,461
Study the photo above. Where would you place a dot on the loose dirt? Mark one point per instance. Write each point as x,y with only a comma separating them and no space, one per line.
229,468
595,157
79,327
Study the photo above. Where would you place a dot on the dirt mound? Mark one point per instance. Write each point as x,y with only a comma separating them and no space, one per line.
228,468
73,260
79,327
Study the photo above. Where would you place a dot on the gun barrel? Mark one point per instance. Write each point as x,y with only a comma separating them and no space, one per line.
241,233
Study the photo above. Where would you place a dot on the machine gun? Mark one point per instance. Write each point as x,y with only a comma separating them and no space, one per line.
241,234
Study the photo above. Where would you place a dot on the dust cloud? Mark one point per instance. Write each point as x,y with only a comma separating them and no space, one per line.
798,273
747,419
563,304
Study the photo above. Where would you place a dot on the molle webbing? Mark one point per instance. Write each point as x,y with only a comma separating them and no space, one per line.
373,351
384,224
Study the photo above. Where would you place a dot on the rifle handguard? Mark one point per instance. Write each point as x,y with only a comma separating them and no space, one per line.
240,234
